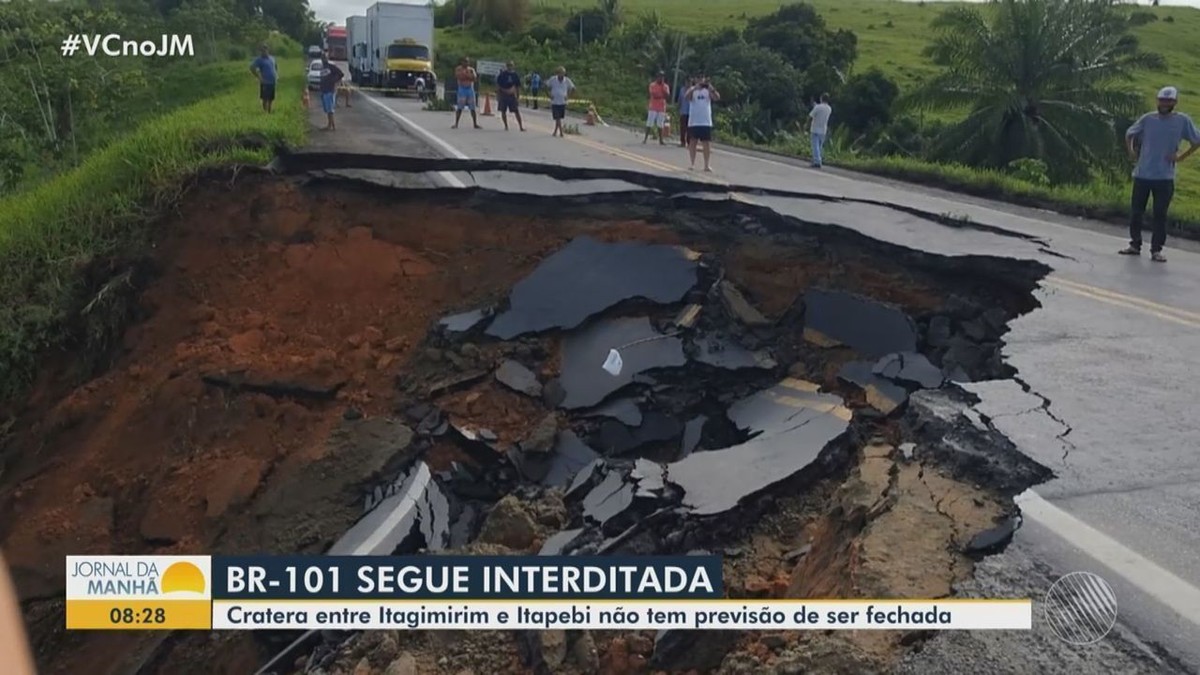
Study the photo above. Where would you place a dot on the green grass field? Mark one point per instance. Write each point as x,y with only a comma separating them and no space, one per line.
53,231
891,36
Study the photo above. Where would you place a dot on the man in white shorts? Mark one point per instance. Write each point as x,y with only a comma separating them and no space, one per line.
656,116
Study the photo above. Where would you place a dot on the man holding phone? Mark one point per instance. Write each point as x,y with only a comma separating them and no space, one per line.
700,120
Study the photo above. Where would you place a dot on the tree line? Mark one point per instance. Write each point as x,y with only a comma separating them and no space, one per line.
1043,89
57,108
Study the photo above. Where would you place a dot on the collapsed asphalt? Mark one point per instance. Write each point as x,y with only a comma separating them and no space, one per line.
683,445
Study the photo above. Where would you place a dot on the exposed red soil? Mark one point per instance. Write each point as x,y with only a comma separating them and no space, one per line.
275,280
776,277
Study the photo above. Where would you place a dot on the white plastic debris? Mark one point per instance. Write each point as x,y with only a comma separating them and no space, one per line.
613,363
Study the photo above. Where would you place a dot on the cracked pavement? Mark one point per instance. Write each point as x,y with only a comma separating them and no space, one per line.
1103,366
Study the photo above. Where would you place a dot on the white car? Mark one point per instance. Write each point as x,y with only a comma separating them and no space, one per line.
314,74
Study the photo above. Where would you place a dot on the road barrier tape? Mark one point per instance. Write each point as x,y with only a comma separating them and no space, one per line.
410,90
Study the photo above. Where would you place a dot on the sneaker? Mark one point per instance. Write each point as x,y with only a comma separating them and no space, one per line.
1130,250
1158,257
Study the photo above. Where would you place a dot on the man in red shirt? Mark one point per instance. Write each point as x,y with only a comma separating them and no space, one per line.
660,93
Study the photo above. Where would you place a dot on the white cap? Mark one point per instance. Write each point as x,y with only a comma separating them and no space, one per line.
1169,93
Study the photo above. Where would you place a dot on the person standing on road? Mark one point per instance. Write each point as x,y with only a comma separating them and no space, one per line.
419,85
535,87
684,103
1153,143
264,69
818,129
509,84
700,120
331,76
560,87
656,113
466,77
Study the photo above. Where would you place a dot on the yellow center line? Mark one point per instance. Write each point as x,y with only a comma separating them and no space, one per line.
1148,305
1173,314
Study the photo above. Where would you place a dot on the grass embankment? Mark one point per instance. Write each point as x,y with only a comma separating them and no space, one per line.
891,36
53,236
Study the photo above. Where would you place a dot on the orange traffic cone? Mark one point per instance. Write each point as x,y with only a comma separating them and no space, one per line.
487,105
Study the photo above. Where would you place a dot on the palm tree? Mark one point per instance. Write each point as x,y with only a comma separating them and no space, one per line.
1041,78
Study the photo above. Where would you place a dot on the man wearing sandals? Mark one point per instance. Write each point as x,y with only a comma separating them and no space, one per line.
1153,143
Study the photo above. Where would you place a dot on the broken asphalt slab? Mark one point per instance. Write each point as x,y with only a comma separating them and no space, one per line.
587,277
292,163
882,394
794,424
869,327
584,352
417,514
909,368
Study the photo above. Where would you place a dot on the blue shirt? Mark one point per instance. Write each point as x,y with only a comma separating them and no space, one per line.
684,104
508,79
1160,137
265,65
535,82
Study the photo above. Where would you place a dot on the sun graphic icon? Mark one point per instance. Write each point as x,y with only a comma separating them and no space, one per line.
183,576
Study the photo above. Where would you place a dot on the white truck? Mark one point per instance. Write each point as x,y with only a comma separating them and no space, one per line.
356,47
400,46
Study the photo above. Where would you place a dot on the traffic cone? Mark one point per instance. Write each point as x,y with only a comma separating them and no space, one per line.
487,105
667,127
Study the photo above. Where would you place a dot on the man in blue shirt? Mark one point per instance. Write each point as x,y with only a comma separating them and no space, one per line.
684,106
1153,143
264,69
535,86
508,82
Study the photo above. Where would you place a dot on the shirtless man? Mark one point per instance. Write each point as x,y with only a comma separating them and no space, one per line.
466,77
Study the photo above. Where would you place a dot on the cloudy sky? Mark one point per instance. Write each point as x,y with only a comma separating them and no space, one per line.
338,10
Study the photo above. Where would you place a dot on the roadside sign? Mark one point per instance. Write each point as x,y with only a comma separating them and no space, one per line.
492,68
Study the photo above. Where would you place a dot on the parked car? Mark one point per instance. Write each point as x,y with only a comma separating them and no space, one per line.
314,52
314,74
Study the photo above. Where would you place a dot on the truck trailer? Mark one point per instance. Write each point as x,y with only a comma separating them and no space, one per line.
356,47
335,42
400,46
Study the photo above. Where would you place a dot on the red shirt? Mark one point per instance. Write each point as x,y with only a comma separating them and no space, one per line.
659,93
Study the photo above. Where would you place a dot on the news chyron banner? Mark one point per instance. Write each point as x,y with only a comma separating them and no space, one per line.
461,592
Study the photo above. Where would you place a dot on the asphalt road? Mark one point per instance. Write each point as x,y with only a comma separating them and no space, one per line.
1115,350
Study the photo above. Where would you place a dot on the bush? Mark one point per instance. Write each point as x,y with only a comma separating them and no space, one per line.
866,100
100,209
1030,170
1142,17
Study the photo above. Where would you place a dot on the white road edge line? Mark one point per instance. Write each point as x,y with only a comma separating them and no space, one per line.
1148,577
1153,580
415,128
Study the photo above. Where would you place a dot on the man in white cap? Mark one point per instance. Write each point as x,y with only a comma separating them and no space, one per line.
1153,143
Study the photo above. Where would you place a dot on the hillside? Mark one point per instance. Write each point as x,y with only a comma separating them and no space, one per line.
891,36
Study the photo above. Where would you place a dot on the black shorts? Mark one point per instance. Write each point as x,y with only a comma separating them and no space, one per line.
266,92
558,112
507,102
700,133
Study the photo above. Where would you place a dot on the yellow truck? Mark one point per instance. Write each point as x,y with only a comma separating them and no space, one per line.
400,47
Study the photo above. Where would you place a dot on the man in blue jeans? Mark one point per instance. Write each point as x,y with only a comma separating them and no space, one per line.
331,76
1153,143
819,129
